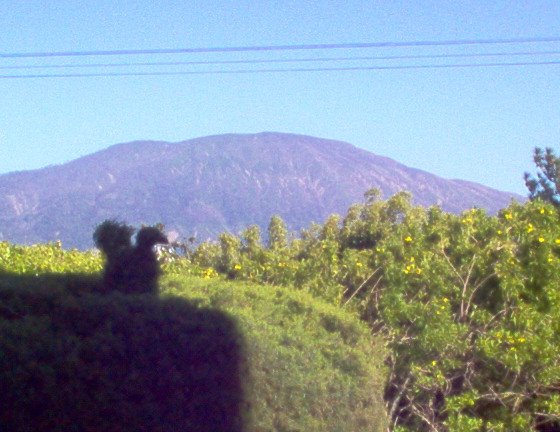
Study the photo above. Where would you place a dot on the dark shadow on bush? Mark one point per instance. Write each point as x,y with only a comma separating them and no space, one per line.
129,268
72,359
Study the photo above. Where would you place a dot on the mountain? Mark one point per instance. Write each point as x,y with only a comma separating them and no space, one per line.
208,185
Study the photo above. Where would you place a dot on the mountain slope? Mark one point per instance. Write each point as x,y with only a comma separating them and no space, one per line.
208,185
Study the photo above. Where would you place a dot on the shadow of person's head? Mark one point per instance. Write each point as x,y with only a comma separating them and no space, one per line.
129,268
82,354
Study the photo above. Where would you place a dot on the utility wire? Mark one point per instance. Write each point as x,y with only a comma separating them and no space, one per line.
294,60
289,70
279,47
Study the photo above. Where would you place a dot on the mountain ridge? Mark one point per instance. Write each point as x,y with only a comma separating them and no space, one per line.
207,185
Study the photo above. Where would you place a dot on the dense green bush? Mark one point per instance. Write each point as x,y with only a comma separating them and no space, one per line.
313,366
46,258
467,304
204,355
116,362
470,307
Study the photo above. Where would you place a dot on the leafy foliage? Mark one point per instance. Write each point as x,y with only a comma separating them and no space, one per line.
205,355
313,367
547,184
46,258
468,305
116,362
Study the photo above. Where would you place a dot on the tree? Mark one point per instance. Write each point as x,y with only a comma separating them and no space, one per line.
230,246
251,238
470,319
277,233
547,184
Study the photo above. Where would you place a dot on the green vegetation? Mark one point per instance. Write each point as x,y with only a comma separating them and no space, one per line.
115,362
547,184
467,304
203,355
46,258
462,310
314,367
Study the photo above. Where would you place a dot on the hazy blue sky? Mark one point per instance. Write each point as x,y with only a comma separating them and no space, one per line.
477,124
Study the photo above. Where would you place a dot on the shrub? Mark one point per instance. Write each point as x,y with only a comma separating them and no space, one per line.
117,362
205,355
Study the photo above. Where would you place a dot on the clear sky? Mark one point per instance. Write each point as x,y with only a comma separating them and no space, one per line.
478,124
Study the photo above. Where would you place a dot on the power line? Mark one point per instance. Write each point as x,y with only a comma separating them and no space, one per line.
279,47
289,70
294,60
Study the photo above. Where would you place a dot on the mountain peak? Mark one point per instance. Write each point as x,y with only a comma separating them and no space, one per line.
208,185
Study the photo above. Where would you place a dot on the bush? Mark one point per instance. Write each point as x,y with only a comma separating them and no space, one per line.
313,367
117,362
467,304
205,355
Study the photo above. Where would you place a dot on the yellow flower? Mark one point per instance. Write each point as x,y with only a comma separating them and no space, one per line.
434,362
521,340
542,211
508,216
408,239
445,300
500,232
237,267
541,239
530,228
557,241
358,264
209,273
